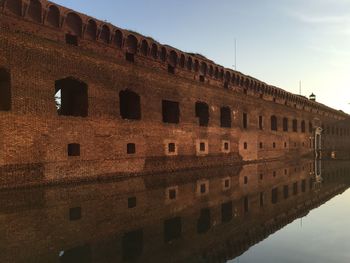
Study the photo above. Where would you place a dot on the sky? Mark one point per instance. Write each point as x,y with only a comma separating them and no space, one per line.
280,42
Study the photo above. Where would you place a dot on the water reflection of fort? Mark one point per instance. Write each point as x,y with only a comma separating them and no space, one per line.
198,216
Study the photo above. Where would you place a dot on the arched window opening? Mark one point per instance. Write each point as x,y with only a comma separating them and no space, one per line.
203,69
15,6
105,34
189,63
227,80
238,79
71,97
227,77
170,111
273,123
154,51
241,82
144,48
182,61
211,71
285,124
233,79
173,58
74,24
202,113
132,243
91,30
163,54
34,11
5,90
303,126
53,16
225,117
221,74
130,105
216,73
131,48
196,66
295,125
172,61
74,27
118,38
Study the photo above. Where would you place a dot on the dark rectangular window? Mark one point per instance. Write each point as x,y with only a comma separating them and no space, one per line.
172,194
171,147
225,117
171,69
285,191
202,147
172,229
295,126
274,195
310,183
295,188
203,188
260,122
73,149
226,146
71,40
226,212
5,90
285,124
201,78
246,204
171,111
130,148
129,105
132,202
203,223
71,97
75,213
261,199
76,254
303,186
130,57
245,120
202,113
132,245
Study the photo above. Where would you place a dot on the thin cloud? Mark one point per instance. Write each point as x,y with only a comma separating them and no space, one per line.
320,19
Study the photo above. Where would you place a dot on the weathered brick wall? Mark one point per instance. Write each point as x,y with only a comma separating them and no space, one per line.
36,55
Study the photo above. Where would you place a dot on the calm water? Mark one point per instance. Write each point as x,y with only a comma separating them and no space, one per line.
270,212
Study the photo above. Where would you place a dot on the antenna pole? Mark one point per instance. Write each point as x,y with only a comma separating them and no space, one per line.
299,87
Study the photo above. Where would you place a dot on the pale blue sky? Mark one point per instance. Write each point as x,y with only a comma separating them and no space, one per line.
278,41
